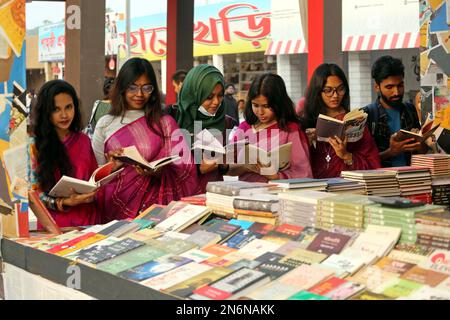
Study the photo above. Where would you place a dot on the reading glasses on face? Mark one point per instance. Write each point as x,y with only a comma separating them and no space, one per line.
329,91
145,89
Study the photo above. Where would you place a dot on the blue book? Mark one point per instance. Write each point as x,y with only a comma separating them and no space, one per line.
154,268
241,223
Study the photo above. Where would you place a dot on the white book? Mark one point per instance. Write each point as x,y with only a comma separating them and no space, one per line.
175,276
348,264
66,186
183,218
259,247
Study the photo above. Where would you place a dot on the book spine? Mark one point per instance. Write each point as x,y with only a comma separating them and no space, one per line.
253,205
255,213
223,189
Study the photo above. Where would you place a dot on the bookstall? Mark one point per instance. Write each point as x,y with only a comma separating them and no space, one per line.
300,239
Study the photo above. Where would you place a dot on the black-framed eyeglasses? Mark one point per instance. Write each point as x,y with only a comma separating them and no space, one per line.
146,89
329,91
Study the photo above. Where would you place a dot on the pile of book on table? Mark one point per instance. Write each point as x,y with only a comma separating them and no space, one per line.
377,182
439,164
186,251
414,182
220,195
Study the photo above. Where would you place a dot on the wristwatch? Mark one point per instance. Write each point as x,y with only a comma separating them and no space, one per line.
349,162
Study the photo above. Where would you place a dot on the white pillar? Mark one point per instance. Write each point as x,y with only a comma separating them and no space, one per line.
293,69
218,62
359,74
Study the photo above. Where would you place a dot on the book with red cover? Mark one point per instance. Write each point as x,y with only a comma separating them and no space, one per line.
71,243
42,214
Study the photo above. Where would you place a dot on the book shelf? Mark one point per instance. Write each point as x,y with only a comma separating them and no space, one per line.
243,69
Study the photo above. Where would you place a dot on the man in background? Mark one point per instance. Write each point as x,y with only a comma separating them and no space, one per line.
230,103
389,114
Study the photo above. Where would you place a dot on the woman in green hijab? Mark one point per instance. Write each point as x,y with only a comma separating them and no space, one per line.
200,101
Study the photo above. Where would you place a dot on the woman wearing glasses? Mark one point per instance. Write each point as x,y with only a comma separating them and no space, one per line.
328,94
136,118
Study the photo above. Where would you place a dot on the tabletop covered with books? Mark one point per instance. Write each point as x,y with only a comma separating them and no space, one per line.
300,239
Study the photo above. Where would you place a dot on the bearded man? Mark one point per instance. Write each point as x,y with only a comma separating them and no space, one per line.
389,114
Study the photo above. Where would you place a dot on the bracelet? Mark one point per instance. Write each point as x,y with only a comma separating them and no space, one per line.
50,202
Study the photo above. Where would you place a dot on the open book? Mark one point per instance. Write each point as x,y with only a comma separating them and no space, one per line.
425,132
205,140
282,154
132,156
351,126
101,176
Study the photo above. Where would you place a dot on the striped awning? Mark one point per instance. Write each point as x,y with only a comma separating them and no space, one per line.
382,41
286,47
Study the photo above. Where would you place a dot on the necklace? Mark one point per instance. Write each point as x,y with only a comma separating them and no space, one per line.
328,157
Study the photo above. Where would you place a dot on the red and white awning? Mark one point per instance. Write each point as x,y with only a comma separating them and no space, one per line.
382,41
286,47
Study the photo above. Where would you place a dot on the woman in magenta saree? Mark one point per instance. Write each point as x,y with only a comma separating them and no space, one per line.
136,119
59,148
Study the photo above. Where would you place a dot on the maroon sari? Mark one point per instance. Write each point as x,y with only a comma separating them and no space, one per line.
131,192
365,157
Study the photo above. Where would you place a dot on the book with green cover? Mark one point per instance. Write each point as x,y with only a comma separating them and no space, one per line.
131,259
397,288
305,295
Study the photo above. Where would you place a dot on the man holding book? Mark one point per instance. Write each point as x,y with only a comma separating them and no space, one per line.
389,114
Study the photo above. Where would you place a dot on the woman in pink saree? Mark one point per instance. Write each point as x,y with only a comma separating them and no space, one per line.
136,118
59,148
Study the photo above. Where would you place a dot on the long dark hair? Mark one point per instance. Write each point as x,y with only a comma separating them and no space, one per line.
128,74
314,104
273,88
51,153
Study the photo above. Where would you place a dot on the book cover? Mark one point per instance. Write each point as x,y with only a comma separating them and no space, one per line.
81,244
347,264
130,259
438,261
42,214
184,289
154,268
424,276
329,242
183,218
242,238
326,286
149,212
352,125
203,238
232,285
273,269
301,256
70,243
197,255
101,176
394,266
175,276
306,295
224,229
101,254
265,202
284,233
261,228
174,246
237,188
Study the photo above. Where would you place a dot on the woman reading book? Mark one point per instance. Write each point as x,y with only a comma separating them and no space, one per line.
58,147
136,119
270,122
328,94
201,102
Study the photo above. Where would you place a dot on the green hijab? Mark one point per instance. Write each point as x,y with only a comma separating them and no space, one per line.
198,85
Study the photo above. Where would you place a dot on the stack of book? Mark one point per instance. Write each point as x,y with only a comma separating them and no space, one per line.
403,218
262,208
377,182
433,229
342,211
414,182
441,191
289,185
220,195
439,164
340,185
300,207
